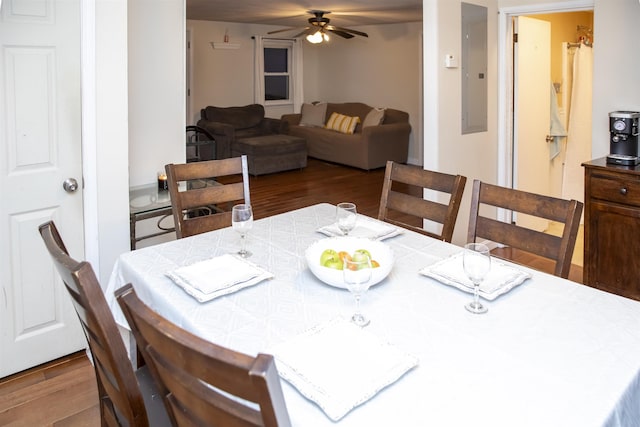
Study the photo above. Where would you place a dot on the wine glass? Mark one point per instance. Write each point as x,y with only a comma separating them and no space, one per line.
477,263
346,217
357,278
242,222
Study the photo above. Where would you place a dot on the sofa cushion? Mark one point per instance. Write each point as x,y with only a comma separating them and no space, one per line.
238,117
342,123
374,117
313,114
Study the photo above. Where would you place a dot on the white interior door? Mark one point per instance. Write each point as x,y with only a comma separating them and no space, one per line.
532,80
41,147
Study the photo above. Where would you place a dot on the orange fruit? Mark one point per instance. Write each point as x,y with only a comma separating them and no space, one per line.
344,255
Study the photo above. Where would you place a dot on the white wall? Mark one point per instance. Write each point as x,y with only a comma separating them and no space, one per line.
446,149
616,51
222,77
156,87
109,174
117,120
382,70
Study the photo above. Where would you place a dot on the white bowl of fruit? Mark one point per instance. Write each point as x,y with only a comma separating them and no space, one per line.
325,258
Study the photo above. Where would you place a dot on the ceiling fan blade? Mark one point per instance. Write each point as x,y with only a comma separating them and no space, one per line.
283,30
348,30
342,34
307,30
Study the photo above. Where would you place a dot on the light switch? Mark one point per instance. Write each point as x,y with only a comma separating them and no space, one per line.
450,61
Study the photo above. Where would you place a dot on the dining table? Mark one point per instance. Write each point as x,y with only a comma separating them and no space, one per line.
549,352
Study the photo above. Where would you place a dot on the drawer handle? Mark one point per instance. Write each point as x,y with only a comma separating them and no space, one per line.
623,191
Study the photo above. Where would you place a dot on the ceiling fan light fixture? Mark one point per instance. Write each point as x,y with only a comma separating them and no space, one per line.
317,37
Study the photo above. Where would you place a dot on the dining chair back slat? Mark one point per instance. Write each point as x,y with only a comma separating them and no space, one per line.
127,397
397,206
204,383
557,248
207,206
220,193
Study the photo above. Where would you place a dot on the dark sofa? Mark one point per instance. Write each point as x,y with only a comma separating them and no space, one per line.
369,147
229,124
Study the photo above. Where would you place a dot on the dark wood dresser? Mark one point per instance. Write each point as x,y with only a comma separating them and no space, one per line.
612,228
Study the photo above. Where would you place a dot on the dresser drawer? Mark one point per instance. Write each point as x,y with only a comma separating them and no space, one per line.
615,188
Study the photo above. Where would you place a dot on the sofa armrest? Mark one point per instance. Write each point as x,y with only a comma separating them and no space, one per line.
223,134
217,128
291,119
269,126
388,140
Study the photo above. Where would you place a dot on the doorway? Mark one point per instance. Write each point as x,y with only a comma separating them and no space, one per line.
563,25
569,139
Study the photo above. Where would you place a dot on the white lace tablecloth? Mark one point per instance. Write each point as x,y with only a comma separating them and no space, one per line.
549,352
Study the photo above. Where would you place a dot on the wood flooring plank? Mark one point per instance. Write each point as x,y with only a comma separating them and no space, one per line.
90,417
80,379
54,406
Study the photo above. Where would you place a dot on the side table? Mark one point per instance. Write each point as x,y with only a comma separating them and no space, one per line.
146,201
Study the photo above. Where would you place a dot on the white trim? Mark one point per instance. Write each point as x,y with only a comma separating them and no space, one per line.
565,6
258,70
298,73
89,132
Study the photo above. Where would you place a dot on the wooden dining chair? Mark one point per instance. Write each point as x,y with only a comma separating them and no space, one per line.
559,249
404,208
127,397
204,383
205,204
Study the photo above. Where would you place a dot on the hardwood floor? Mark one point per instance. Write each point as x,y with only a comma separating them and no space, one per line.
63,393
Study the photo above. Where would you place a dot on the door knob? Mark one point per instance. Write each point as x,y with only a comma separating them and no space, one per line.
70,185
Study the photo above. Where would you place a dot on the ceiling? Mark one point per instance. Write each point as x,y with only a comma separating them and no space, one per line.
295,13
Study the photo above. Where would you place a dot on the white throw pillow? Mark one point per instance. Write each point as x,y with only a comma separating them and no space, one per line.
374,117
313,114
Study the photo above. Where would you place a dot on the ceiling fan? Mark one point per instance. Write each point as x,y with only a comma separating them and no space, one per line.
319,26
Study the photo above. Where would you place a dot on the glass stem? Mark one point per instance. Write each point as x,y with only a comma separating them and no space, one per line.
357,304
476,294
242,244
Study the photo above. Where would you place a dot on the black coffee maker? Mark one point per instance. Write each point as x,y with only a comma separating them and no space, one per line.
623,138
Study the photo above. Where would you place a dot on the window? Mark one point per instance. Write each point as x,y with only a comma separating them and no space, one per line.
277,71
277,76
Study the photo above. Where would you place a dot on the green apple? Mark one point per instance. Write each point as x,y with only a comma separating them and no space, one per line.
327,255
361,255
335,263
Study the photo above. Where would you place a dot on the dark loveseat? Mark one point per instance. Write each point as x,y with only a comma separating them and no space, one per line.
265,141
229,124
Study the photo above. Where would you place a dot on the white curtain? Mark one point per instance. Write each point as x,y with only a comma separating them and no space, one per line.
298,87
578,141
258,63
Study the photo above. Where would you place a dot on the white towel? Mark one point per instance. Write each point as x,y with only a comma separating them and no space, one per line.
365,227
556,128
339,365
209,279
